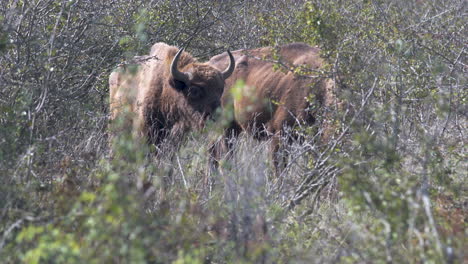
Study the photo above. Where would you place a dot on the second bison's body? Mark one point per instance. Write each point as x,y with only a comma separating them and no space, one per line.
283,88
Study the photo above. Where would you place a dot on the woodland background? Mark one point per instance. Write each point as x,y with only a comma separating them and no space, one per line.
390,187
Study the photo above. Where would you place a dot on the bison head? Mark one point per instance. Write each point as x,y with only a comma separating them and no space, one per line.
200,84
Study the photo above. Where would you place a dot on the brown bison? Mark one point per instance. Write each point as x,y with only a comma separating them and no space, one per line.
283,88
169,93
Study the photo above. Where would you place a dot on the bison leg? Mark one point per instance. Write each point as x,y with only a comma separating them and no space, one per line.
279,154
223,147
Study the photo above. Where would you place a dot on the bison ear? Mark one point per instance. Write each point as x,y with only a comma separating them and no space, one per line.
179,85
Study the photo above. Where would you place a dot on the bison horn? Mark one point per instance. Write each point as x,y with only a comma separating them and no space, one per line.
230,68
176,74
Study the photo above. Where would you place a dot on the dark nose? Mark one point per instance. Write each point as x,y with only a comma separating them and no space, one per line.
211,110
215,106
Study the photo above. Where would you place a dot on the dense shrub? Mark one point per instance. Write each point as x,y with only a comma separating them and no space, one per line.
389,186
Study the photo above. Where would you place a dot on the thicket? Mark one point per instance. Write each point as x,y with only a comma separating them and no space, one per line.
389,187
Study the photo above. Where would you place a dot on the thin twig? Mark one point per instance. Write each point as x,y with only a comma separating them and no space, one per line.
182,172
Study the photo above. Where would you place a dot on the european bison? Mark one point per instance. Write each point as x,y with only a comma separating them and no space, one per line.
273,99
169,93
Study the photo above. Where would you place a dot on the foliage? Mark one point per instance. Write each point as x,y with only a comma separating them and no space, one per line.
388,186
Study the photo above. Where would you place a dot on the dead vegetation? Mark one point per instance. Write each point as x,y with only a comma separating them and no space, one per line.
388,187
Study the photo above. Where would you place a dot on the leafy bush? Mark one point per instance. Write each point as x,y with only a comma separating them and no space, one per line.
388,186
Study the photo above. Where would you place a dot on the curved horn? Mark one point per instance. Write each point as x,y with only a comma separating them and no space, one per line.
178,75
230,68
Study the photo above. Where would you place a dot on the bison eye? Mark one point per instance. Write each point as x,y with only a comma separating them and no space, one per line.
195,92
180,85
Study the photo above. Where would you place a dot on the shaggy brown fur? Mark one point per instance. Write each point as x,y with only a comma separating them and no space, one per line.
162,106
272,100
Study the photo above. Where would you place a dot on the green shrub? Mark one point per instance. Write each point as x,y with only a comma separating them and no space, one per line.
389,187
